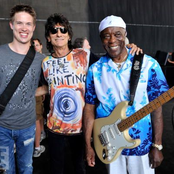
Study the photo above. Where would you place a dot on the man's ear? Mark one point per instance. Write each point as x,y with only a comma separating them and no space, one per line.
34,28
11,25
125,33
48,38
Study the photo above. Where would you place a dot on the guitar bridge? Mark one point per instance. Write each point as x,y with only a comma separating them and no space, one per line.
104,139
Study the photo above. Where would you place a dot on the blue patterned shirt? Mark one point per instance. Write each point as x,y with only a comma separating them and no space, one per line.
107,86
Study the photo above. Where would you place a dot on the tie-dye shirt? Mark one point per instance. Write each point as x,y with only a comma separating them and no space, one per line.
66,78
106,87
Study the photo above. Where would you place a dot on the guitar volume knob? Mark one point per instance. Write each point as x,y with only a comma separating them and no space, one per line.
109,158
114,147
109,151
109,145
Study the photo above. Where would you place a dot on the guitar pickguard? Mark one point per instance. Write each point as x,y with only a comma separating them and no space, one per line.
112,140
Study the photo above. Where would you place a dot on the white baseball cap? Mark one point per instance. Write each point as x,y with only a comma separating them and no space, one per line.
111,21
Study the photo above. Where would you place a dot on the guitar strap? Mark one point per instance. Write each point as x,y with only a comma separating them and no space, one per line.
16,79
135,75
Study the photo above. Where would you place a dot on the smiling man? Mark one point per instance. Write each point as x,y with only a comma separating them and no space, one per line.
17,122
64,73
108,84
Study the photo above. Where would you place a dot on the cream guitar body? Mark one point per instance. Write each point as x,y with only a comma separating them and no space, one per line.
111,133
113,141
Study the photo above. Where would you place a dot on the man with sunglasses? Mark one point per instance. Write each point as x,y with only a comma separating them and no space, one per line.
64,72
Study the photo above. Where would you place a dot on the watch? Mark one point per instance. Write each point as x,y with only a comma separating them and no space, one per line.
159,147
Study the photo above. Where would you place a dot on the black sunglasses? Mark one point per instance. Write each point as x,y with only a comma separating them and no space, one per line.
63,30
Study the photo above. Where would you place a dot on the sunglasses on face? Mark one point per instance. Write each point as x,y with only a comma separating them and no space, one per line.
63,30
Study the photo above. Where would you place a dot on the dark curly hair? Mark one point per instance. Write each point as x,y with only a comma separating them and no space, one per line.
51,22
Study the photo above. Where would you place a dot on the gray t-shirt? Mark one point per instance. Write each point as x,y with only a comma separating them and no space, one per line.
20,111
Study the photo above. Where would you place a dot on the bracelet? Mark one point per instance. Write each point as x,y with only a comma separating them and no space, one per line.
159,147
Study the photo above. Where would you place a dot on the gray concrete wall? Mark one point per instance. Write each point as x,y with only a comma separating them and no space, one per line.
150,23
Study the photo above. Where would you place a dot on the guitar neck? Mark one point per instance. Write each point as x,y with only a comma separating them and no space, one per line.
150,107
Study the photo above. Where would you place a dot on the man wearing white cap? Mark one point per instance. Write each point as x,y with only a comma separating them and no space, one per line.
108,84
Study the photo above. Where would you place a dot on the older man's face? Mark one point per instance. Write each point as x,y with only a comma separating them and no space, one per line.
113,39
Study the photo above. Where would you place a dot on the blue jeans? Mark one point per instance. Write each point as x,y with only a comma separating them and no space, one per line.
24,140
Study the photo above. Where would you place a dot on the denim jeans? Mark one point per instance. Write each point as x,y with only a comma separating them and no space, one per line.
64,149
24,140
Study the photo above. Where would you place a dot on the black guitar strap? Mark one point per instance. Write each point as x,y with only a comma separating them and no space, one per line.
16,79
135,75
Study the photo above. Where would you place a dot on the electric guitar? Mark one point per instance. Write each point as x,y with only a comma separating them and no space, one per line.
111,135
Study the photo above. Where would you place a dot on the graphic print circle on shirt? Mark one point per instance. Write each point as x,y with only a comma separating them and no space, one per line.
67,105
